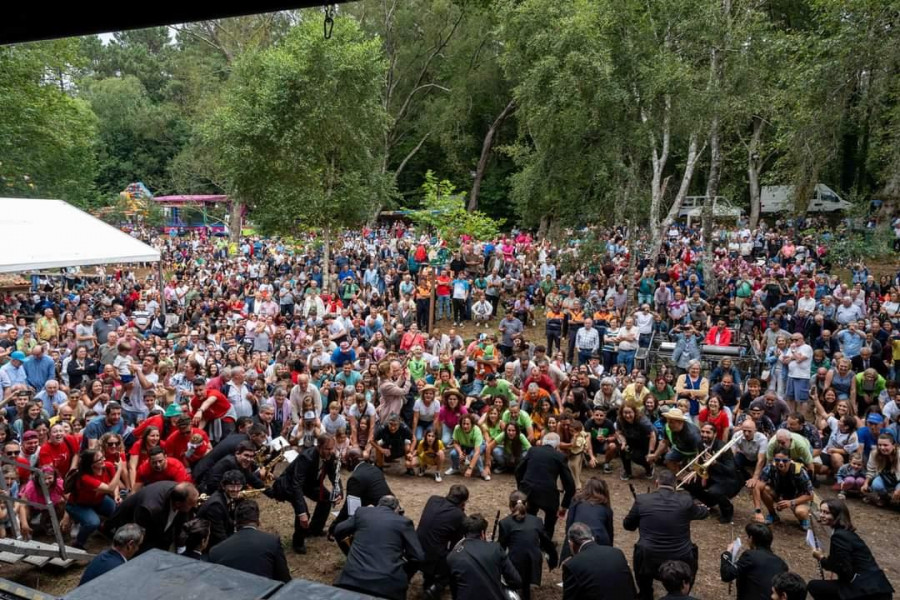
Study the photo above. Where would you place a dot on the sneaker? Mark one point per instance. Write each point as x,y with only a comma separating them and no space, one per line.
451,471
842,496
437,477
804,524
486,477
607,468
624,476
772,519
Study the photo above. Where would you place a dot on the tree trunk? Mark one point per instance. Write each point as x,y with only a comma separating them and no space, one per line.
693,155
486,154
632,262
754,166
235,220
658,160
544,227
712,190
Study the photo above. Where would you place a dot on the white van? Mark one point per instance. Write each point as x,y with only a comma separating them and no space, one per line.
780,198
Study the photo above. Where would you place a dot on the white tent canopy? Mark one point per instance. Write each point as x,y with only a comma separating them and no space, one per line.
48,234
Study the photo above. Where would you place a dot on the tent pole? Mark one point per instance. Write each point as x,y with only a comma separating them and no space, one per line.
160,285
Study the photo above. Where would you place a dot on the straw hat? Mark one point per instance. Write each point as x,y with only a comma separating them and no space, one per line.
675,414
454,392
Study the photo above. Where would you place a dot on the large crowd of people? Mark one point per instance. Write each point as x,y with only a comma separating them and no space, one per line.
154,410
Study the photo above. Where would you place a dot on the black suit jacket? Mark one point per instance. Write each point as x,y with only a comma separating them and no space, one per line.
598,573
301,478
754,572
851,560
220,516
440,527
538,472
875,362
229,463
475,570
724,471
101,564
149,507
367,483
253,551
381,540
664,520
524,542
226,447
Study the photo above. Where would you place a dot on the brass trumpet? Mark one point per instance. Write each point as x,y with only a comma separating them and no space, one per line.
269,466
242,495
698,467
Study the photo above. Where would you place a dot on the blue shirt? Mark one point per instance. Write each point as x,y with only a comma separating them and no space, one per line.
97,427
851,343
11,375
39,370
51,402
867,440
339,358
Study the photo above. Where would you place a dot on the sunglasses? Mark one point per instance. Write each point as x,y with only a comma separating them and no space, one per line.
113,444
782,460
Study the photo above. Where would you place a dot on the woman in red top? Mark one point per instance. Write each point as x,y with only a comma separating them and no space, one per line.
59,451
93,492
140,451
713,413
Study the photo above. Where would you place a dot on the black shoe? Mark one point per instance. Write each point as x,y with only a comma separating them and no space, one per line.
725,519
300,548
410,472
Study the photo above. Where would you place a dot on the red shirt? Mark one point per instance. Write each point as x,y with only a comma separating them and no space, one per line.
217,410
157,421
177,443
174,471
85,492
142,453
59,456
544,382
443,285
720,421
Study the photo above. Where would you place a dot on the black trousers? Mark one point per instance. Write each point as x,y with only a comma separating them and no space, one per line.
459,310
550,508
553,339
831,590
638,458
647,564
716,494
316,521
423,307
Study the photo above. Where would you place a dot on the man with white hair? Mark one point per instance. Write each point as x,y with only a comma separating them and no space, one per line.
536,477
239,394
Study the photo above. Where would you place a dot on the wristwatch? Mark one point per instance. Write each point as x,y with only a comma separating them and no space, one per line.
758,511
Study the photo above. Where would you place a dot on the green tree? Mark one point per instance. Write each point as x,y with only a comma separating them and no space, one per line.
298,134
47,137
444,210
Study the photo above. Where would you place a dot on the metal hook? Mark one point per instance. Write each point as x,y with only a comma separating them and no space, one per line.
328,26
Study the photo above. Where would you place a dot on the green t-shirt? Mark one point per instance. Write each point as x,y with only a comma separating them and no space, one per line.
500,388
502,440
524,420
416,368
473,439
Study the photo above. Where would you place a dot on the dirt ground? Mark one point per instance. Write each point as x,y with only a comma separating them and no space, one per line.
324,560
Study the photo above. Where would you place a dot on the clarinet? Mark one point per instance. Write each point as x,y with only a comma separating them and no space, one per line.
337,490
496,525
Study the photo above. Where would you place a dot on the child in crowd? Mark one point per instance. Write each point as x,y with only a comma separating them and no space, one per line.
430,453
850,477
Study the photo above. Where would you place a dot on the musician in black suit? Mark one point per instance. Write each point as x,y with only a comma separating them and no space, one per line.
756,567
595,572
305,478
367,483
250,550
227,447
524,539
722,482
243,460
678,578
151,506
219,508
664,521
440,528
382,539
536,477
858,575
476,565
867,360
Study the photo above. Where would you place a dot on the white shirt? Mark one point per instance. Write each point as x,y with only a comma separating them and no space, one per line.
799,369
643,321
632,345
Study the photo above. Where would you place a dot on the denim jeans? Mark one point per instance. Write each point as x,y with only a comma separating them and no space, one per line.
626,357
446,436
422,427
454,458
879,487
443,307
502,459
88,517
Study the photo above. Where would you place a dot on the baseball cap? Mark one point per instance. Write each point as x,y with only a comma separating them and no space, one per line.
875,418
17,355
309,416
29,435
173,410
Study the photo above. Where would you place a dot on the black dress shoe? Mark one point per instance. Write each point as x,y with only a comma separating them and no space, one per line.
300,549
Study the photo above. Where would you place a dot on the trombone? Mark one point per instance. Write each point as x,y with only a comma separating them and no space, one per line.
244,494
699,467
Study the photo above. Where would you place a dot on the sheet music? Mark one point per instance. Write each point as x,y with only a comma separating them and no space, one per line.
736,549
811,539
353,502
290,455
278,443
